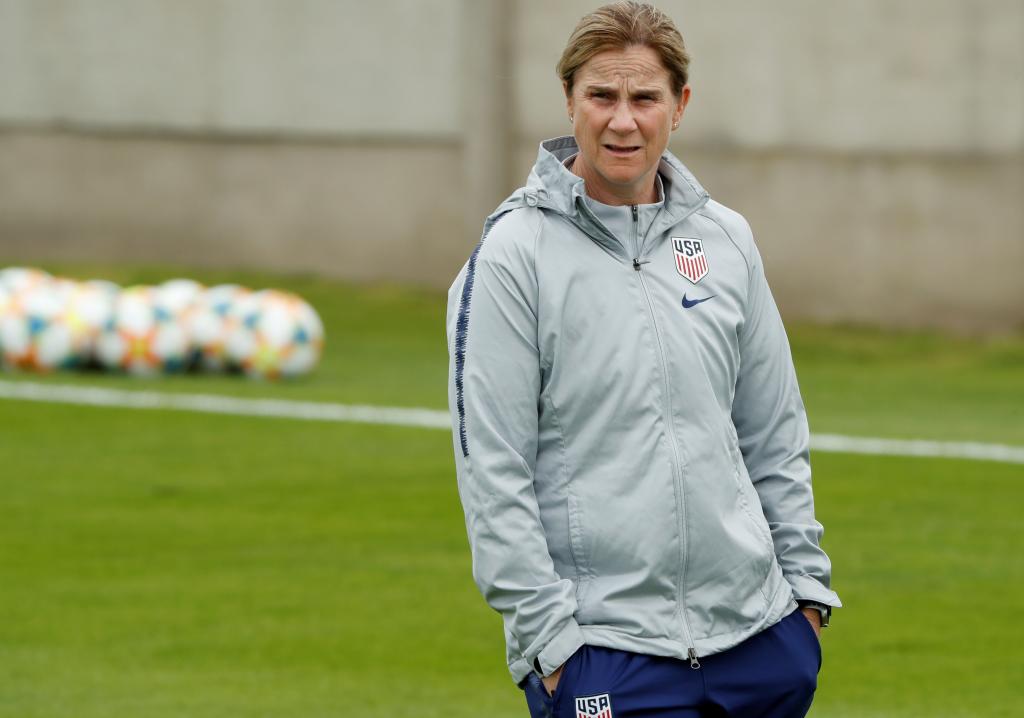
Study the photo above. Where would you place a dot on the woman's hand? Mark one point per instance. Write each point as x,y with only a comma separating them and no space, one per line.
811,614
551,682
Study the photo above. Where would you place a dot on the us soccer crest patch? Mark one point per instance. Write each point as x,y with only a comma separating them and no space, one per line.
594,707
691,261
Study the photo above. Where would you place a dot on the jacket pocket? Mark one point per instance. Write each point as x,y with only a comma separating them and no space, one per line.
576,548
748,497
759,525
751,505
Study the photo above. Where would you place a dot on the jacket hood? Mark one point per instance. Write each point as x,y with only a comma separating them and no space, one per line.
554,186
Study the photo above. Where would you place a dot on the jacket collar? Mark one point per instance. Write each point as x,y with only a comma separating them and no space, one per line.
558,188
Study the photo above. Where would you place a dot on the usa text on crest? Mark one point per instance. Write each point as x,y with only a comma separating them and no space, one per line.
594,706
691,261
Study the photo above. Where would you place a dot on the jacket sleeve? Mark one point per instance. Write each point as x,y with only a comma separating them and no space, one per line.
771,425
494,388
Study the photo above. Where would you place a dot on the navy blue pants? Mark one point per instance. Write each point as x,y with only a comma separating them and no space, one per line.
772,674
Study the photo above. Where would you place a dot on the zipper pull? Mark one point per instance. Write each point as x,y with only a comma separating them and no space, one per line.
694,663
636,260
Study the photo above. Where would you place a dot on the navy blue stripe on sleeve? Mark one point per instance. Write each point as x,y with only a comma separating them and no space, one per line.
462,331
461,336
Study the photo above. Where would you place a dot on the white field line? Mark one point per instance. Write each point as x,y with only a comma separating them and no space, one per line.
213,404
432,419
918,447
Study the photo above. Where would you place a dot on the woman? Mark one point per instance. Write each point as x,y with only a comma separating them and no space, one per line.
630,441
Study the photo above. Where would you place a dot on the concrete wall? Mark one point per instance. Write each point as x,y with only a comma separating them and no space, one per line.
292,67
288,206
876,147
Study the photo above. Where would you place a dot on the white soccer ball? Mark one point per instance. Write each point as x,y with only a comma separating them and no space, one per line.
104,286
175,299
37,329
90,309
21,279
142,337
5,302
215,316
278,335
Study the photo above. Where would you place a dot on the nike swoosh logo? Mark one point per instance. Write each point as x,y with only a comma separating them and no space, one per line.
691,303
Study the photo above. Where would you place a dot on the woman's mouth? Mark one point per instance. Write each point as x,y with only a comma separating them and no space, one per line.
622,150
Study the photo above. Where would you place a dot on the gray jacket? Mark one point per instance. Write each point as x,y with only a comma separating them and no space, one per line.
630,443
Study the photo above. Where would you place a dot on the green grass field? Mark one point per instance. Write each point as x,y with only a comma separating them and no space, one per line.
176,564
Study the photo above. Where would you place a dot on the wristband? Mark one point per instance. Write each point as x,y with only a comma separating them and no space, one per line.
823,609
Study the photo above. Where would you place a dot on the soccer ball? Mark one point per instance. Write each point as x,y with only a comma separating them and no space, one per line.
142,337
278,335
5,303
21,279
90,308
216,314
37,331
104,285
176,301
176,298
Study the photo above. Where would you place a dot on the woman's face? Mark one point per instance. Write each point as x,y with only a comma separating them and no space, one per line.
623,111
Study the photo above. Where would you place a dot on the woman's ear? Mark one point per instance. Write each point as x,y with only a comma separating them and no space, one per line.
677,112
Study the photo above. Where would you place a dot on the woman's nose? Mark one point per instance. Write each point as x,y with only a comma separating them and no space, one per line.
622,120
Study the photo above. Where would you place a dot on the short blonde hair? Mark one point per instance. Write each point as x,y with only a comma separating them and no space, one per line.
619,25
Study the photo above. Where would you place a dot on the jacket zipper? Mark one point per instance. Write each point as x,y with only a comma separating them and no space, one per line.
691,652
